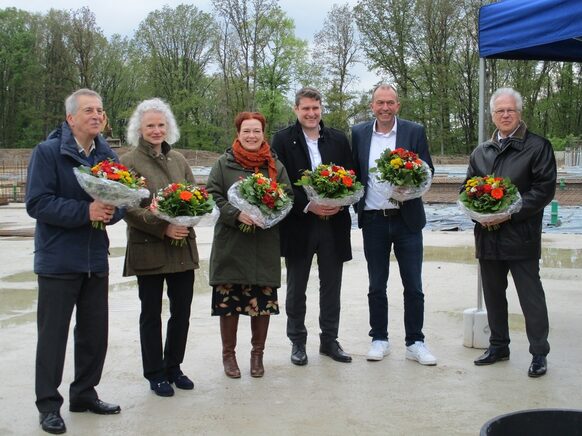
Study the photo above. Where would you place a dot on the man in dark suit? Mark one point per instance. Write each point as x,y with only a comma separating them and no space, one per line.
311,228
385,225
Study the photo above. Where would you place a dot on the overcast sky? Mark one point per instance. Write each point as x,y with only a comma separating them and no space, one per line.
124,16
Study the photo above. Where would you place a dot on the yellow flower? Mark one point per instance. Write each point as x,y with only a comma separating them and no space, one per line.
396,163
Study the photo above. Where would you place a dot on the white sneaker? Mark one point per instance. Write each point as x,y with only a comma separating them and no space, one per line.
378,350
420,353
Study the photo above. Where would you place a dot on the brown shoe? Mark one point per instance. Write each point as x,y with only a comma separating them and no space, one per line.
228,329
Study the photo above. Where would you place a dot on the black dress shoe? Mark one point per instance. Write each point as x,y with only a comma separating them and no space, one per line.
162,388
492,355
182,382
51,422
538,367
96,406
298,354
334,350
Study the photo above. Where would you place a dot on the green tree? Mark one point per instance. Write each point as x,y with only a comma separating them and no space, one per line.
176,45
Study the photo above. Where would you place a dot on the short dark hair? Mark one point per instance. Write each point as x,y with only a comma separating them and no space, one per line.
307,92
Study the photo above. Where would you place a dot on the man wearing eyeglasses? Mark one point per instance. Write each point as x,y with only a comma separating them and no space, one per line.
514,243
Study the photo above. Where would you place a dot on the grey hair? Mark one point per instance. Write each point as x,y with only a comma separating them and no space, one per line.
506,91
307,92
389,86
152,105
72,102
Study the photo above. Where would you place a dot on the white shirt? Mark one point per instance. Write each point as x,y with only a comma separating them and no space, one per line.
379,143
314,154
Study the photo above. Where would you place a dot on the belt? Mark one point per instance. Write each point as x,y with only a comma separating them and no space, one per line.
383,212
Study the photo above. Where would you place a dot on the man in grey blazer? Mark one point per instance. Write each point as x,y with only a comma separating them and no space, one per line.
385,225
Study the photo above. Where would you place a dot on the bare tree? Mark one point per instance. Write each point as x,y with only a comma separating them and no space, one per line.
337,49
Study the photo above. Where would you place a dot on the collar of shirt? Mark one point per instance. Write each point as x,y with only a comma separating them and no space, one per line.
392,131
499,138
82,150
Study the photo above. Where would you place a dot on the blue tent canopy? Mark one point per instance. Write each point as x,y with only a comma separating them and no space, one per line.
531,29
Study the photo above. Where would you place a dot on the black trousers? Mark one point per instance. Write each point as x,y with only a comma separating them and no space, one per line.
526,276
330,279
57,296
159,364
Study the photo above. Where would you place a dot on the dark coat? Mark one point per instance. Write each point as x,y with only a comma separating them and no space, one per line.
148,250
240,258
410,136
65,241
529,162
292,150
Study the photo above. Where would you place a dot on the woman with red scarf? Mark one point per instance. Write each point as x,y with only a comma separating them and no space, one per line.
245,267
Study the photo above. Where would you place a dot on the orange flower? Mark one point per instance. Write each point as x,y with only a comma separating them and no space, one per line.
185,195
347,181
497,193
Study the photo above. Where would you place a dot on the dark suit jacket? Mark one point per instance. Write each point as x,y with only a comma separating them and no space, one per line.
292,151
410,136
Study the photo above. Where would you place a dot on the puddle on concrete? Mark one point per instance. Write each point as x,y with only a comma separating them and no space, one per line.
21,277
19,305
117,252
551,257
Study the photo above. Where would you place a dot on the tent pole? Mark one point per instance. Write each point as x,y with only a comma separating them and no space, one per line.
480,140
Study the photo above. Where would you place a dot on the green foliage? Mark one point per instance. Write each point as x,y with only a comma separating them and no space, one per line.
330,181
245,55
560,144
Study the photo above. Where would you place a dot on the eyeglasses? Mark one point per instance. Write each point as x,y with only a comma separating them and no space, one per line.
501,112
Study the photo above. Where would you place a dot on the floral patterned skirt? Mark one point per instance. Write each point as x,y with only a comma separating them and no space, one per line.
251,300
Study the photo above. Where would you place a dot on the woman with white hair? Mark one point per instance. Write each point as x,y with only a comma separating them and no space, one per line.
150,254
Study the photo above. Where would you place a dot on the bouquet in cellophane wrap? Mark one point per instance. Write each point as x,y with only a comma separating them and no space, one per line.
401,175
263,199
111,183
183,204
331,185
488,199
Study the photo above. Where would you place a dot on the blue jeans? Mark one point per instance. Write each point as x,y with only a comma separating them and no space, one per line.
380,233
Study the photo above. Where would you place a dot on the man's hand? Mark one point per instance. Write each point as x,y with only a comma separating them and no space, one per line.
101,212
323,210
495,222
176,232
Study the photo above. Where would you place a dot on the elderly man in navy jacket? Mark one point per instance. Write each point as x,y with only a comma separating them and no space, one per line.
70,261
385,225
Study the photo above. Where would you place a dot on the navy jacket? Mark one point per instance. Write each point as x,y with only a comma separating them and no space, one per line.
64,241
292,151
410,136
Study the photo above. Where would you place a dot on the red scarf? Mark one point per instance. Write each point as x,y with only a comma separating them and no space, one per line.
255,159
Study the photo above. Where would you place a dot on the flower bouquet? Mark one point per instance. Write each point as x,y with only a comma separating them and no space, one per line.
111,183
182,205
262,198
401,175
488,199
331,185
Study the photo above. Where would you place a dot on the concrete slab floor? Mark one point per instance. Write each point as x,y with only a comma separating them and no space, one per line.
394,396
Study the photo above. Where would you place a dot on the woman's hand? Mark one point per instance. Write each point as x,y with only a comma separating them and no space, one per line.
245,218
176,232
